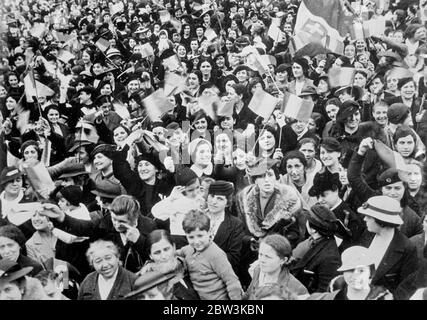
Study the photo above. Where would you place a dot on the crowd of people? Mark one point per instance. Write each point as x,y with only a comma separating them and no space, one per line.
134,164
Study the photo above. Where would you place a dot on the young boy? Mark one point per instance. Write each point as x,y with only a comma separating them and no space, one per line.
210,272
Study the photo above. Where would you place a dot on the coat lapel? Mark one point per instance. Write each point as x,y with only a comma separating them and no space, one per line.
115,290
223,231
391,257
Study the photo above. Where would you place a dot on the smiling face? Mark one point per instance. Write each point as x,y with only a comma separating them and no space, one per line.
242,76
205,68
9,249
30,152
53,116
120,135
13,81
198,239
105,262
353,121
146,171
223,143
380,115
408,90
10,103
331,111
106,89
201,125
101,162
40,222
12,188
405,146
350,51
358,278
329,158
269,261
395,190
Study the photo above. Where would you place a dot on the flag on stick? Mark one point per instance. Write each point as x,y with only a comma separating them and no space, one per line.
157,104
174,84
165,16
102,44
262,103
34,88
296,108
339,77
210,104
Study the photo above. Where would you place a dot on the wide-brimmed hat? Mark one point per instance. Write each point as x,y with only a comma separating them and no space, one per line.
354,257
382,208
10,271
77,170
149,280
356,90
9,174
347,109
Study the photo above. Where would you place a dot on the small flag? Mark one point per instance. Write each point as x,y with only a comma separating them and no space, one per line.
172,63
102,44
176,24
34,88
116,8
399,73
147,50
157,104
391,158
275,33
121,109
296,108
62,37
210,104
262,103
340,77
357,31
210,34
165,16
226,108
374,27
174,84
40,179
334,45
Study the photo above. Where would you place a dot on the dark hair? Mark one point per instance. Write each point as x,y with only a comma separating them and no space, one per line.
157,235
294,154
308,140
44,276
402,132
384,224
196,219
14,233
280,244
126,205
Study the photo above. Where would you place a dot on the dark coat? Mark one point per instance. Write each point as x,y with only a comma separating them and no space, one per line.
354,223
123,285
419,241
399,262
229,238
133,255
318,266
24,261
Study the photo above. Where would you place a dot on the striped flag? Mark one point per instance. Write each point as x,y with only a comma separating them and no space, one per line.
226,108
263,103
319,18
102,44
174,84
296,108
210,104
157,104
340,77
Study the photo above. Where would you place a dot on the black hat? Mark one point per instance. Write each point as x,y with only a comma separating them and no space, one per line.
88,89
404,81
184,175
331,144
302,62
149,280
323,220
79,143
355,90
11,271
151,158
107,189
103,99
9,174
240,68
324,181
221,188
283,67
348,108
308,91
106,149
397,113
389,176
73,194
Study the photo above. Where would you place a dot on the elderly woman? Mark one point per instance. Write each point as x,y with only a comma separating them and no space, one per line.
164,261
272,267
109,281
12,248
355,282
16,285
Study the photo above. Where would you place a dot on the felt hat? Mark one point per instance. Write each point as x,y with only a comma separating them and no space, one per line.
347,109
331,144
308,91
356,91
9,174
324,181
389,176
382,208
262,166
79,143
106,149
356,256
10,271
147,281
397,113
323,220
107,189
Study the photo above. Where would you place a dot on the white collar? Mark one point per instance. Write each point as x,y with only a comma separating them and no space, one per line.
9,203
207,171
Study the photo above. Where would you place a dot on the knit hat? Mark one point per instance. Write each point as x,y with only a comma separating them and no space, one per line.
72,194
184,175
348,108
221,188
397,113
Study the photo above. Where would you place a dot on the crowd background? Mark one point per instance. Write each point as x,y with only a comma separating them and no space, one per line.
212,150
